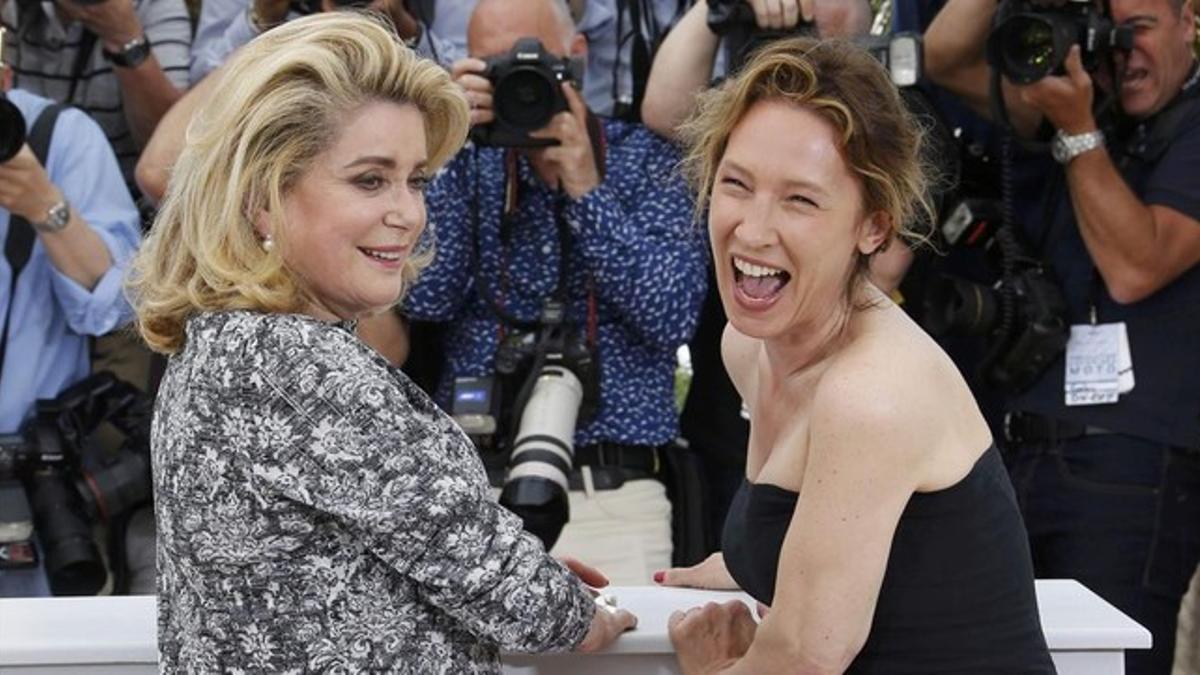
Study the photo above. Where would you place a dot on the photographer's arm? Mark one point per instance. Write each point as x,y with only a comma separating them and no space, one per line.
682,68
1138,247
89,254
76,250
154,166
645,253
147,90
441,291
956,59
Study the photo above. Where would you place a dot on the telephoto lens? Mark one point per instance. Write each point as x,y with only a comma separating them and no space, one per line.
542,456
73,564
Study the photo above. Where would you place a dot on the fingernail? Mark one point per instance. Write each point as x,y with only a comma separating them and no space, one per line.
658,577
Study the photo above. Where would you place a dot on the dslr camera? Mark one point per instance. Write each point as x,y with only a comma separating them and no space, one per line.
1029,42
552,381
526,94
901,54
1022,316
12,122
53,484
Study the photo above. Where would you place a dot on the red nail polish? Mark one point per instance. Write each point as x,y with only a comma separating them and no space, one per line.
658,577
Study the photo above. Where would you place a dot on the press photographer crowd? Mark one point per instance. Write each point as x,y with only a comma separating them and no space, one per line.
376,335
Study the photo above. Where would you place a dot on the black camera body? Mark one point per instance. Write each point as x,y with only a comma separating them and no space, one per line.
1028,42
549,378
526,94
12,122
901,54
67,488
1022,316
12,129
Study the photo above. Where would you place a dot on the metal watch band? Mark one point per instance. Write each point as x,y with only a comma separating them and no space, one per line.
56,218
1066,147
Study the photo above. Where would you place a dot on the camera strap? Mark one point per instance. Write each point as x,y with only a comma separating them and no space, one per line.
496,297
18,244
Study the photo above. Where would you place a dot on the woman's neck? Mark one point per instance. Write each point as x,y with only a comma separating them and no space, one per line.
808,345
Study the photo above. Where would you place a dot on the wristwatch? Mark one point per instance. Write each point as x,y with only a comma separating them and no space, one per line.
57,218
132,53
1066,147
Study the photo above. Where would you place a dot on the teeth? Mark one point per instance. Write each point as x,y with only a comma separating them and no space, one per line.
752,270
380,255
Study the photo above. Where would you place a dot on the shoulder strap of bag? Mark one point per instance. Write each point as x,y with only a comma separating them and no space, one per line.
18,245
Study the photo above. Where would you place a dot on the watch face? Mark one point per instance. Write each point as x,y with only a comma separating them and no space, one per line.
1059,150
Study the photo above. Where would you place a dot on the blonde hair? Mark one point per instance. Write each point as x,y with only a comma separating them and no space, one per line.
881,141
279,105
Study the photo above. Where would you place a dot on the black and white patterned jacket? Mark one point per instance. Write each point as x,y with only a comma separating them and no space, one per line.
317,512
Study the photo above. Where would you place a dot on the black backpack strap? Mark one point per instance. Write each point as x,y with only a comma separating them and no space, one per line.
18,245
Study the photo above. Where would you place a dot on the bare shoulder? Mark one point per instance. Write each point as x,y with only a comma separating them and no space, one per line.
894,390
740,353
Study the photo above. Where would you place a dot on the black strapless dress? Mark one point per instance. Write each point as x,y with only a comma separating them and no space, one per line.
957,596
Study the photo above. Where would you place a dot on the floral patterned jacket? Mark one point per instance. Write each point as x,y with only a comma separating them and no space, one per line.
317,512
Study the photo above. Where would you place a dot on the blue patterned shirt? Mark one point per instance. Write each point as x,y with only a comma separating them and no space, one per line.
632,242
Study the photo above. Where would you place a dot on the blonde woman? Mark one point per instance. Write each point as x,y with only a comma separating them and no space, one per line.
316,511
877,520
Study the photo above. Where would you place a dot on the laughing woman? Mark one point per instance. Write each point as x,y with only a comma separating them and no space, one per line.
877,520
316,512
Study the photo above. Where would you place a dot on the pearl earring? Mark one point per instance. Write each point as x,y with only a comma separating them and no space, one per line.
268,244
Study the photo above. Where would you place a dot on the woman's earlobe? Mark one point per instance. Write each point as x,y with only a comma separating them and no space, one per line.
877,234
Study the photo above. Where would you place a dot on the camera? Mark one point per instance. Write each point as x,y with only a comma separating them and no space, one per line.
69,487
12,122
526,94
553,378
1021,316
901,54
1029,42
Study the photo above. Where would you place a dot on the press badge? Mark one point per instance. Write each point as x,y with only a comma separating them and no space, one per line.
1099,364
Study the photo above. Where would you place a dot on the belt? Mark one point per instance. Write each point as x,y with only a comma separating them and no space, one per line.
1024,427
643,458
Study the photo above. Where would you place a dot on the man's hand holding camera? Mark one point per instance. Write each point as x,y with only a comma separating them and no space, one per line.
571,165
469,74
113,21
781,14
25,188
1065,100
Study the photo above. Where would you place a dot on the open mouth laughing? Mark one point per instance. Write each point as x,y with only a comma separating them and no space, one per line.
759,284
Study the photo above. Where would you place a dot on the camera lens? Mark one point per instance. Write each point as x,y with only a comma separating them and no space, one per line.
958,306
73,565
12,129
524,99
542,456
1030,53
118,486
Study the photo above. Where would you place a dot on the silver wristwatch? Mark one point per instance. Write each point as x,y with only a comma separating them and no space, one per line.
1066,147
56,218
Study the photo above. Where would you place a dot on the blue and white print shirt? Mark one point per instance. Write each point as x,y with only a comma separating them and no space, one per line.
633,242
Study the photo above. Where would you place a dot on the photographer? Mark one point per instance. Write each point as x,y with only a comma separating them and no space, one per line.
123,62
1107,466
599,219
69,226
685,63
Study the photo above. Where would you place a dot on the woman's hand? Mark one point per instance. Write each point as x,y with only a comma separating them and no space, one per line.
710,573
607,624
711,638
